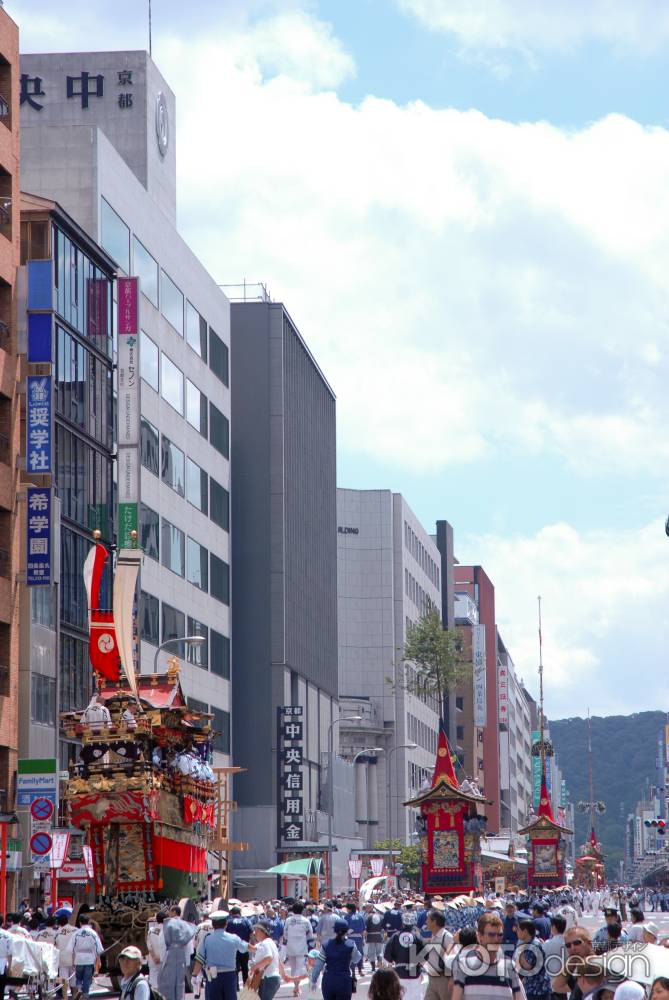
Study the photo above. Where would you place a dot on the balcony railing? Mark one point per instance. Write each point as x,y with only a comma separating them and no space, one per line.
466,612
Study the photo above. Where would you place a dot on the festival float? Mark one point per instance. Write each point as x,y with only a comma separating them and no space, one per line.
452,819
546,867
143,790
589,870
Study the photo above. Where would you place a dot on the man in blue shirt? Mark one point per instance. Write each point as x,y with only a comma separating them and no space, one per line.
510,922
356,929
275,924
541,922
392,922
239,925
217,955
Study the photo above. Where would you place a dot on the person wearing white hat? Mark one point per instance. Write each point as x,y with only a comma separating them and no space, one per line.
651,933
134,986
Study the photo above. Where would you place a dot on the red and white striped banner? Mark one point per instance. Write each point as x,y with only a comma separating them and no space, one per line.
59,848
355,868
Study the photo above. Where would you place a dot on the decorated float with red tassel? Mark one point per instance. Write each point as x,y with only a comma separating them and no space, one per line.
451,821
143,788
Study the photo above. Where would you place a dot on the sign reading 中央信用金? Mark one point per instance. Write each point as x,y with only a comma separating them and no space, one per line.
290,734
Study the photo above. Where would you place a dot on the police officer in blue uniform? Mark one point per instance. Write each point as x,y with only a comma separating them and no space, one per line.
217,955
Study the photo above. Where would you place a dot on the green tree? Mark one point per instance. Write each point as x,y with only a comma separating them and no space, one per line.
409,859
433,660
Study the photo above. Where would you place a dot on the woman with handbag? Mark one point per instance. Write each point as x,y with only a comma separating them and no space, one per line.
266,969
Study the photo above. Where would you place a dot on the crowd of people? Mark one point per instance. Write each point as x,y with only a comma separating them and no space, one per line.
415,948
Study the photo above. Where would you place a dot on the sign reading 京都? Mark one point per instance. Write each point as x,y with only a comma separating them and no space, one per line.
536,772
478,660
38,536
38,423
290,736
128,409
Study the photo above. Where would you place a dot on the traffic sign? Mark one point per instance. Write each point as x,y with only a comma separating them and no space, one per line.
41,809
40,844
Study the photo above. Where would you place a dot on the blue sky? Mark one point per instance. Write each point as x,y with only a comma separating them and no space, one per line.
465,207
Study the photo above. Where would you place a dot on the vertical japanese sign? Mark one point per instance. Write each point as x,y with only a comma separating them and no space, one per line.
290,743
128,409
536,772
563,794
39,424
38,536
478,661
503,692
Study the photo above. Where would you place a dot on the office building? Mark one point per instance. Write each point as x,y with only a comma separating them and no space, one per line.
389,572
284,584
10,535
98,136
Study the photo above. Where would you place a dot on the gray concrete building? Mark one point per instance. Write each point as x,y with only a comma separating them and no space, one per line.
389,568
98,137
284,577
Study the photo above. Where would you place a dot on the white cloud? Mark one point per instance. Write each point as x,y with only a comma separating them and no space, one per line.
468,285
604,598
528,25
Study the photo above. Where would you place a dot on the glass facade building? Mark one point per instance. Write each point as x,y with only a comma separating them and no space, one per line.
82,330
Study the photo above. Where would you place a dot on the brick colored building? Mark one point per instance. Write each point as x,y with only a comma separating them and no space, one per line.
10,535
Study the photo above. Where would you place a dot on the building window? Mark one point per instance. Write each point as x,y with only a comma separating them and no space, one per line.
149,526
196,408
220,579
219,654
196,705
42,607
172,384
172,303
459,702
196,331
43,699
146,269
219,357
174,624
197,483
76,676
460,732
172,466
219,431
221,726
220,505
174,545
115,236
149,445
199,655
197,564
149,618
148,360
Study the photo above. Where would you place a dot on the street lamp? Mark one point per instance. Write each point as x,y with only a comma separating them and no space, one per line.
347,718
404,746
192,640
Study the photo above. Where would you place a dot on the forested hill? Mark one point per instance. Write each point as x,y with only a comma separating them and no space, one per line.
624,749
